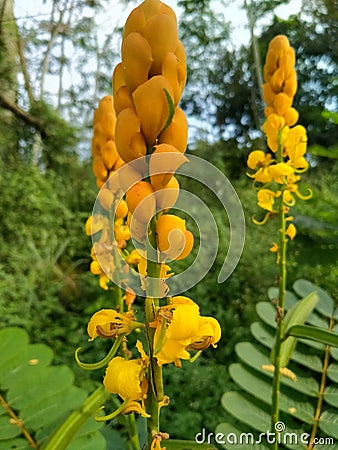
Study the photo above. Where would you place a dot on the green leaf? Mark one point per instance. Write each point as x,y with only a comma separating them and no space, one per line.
331,395
325,303
267,312
93,441
297,314
316,334
259,388
290,297
255,358
237,439
332,372
319,150
245,411
329,423
16,444
8,430
173,444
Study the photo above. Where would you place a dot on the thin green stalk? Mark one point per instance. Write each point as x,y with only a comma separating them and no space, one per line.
155,388
321,392
280,306
64,434
132,432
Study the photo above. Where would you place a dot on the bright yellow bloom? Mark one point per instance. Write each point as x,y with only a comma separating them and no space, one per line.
130,142
185,330
141,201
271,128
109,323
127,377
133,258
280,171
172,237
163,163
295,147
176,134
266,199
291,231
167,196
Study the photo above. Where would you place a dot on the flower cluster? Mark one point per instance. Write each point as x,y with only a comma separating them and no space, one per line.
276,173
147,87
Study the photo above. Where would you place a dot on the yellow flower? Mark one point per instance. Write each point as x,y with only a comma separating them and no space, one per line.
163,163
110,323
141,201
130,142
266,199
127,377
121,232
271,128
133,258
295,147
185,329
172,237
280,171
291,231
176,134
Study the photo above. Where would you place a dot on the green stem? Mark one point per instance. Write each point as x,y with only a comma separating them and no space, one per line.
321,392
64,434
132,432
280,306
155,388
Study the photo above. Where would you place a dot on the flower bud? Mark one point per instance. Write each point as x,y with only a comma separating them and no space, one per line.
164,158
130,143
176,134
143,192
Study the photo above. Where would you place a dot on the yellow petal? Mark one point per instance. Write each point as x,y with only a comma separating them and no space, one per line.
164,161
129,140
141,194
136,60
176,134
291,231
152,106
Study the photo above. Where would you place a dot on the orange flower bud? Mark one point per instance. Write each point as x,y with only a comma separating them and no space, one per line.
106,198
279,44
167,196
170,231
129,140
188,246
121,209
169,161
291,116
123,99
136,60
152,106
160,31
143,192
281,103
175,71
268,94
135,22
290,85
118,78
109,154
99,168
138,230
177,132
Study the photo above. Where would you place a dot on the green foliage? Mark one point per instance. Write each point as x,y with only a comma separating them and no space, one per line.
249,406
40,395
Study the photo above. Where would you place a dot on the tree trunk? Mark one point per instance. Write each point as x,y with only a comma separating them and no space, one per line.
8,80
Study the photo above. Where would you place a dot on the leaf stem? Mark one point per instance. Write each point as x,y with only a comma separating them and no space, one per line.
321,392
16,421
64,434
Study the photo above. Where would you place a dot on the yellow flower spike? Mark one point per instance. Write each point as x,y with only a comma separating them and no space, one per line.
167,196
291,231
143,192
151,102
176,134
266,199
136,60
127,377
110,323
171,159
170,231
161,33
130,142
175,71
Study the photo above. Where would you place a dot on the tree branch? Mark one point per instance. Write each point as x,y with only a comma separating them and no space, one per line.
34,121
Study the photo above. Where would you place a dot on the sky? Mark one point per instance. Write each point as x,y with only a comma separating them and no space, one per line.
24,9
